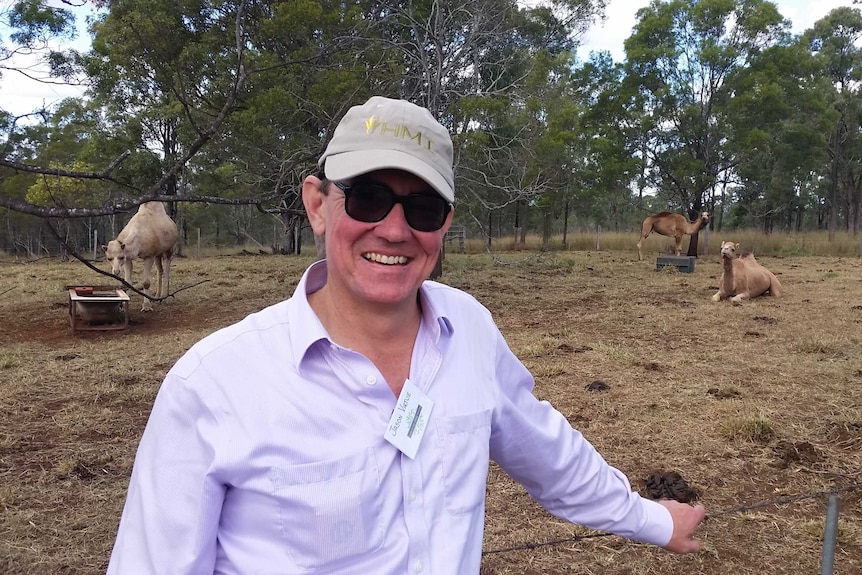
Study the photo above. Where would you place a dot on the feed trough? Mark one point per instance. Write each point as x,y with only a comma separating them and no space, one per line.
98,308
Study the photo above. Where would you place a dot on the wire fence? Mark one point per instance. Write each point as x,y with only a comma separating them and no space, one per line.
784,500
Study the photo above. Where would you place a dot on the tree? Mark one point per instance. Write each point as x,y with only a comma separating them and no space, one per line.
778,121
834,42
681,59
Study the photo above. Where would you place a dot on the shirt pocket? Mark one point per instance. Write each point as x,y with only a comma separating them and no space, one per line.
329,510
463,441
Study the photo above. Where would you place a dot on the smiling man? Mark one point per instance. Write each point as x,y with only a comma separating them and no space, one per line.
349,428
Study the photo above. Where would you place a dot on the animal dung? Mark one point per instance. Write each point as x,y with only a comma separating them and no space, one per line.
597,385
669,485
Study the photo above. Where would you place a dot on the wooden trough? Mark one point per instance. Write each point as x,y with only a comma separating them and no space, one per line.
98,308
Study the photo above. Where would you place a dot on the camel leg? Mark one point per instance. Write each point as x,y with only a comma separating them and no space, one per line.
167,270
148,270
678,245
640,244
127,271
739,299
160,269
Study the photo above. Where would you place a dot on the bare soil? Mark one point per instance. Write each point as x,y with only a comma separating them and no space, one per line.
754,411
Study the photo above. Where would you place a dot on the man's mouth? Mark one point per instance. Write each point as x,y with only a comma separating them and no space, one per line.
385,260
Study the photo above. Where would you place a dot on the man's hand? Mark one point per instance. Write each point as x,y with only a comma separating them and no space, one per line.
686,518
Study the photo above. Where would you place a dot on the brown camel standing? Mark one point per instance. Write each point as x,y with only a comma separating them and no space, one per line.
151,236
672,225
743,277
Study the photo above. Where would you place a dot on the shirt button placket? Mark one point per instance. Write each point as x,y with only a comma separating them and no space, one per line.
414,515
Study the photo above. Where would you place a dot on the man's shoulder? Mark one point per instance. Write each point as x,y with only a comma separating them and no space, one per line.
262,328
449,301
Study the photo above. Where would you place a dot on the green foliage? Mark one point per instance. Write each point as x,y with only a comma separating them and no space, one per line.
63,191
682,58
37,22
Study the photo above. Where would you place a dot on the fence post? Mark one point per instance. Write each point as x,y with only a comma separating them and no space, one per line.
830,535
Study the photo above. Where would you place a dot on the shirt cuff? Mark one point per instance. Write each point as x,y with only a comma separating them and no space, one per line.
659,524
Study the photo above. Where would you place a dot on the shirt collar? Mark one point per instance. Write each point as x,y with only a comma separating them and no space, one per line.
432,316
306,329
304,325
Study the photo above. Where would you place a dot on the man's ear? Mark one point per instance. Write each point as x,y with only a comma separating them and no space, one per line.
313,199
447,223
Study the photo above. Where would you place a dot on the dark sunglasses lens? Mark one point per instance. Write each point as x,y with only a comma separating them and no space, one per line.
425,213
368,203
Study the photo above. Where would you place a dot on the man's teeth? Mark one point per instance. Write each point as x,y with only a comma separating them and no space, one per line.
388,260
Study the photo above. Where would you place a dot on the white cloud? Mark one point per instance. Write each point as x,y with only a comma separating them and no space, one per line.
610,34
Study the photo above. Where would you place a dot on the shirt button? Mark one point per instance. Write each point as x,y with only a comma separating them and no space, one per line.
412,496
371,380
418,567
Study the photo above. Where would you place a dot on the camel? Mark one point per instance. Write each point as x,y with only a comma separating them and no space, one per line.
743,277
151,236
671,225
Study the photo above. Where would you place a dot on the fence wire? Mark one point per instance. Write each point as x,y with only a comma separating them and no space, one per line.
784,500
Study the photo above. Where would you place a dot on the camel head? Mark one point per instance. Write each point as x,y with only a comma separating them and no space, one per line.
728,250
115,252
704,217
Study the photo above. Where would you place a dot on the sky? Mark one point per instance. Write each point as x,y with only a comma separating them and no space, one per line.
610,34
18,95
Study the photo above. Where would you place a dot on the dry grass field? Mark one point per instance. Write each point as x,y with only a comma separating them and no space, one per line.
757,407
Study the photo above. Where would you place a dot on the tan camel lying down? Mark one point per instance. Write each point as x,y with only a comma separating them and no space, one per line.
743,277
151,236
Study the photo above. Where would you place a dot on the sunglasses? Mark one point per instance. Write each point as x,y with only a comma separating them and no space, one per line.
371,202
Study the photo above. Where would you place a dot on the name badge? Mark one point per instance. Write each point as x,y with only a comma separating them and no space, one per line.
409,420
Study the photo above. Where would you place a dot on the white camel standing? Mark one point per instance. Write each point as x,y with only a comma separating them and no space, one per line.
671,225
150,236
743,277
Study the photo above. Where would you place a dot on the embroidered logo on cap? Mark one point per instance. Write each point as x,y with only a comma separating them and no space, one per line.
375,125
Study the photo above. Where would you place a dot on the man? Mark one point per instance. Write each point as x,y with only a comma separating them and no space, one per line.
348,429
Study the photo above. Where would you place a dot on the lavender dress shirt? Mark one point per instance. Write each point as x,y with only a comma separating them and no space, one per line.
265,454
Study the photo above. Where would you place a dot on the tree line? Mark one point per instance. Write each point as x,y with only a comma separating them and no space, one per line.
222,107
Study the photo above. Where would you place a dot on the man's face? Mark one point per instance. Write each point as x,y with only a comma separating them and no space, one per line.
379,263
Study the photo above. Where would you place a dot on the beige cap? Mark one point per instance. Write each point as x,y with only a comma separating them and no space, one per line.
384,134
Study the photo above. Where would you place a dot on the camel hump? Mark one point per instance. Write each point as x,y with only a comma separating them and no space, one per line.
152,208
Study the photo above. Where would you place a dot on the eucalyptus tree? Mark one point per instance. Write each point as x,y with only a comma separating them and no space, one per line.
613,164
151,64
834,41
494,72
26,31
236,99
778,121
681,59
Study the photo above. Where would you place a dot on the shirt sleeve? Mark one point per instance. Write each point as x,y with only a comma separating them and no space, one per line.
536,446
170,519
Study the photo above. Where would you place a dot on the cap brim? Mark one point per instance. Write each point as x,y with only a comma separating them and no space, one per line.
348,165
